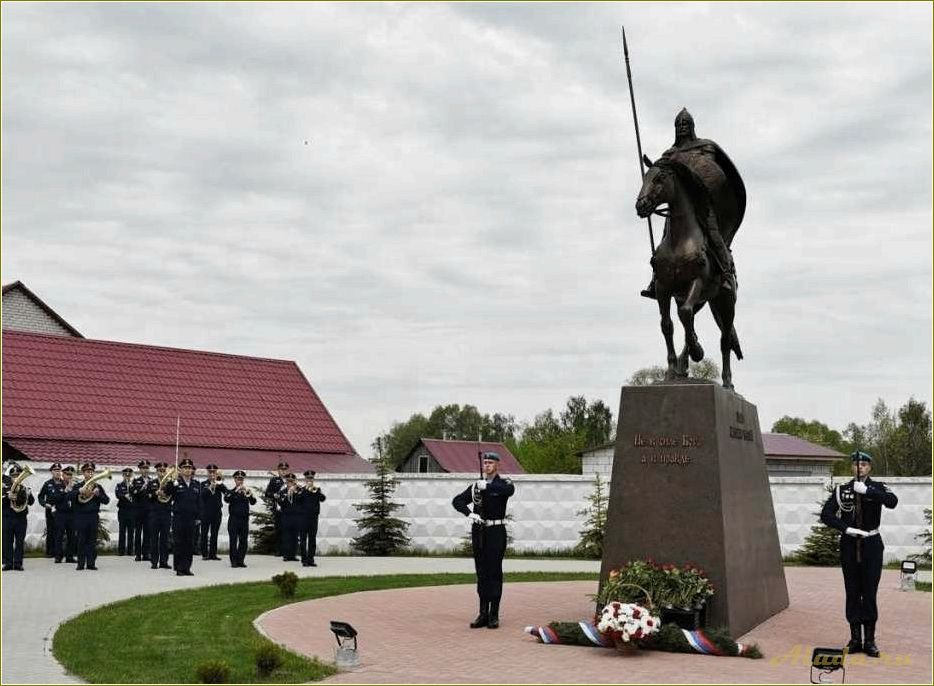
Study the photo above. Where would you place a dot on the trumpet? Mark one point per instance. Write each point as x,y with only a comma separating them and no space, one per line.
86,492
218,478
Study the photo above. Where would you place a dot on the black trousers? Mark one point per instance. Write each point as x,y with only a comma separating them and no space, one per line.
489,548
183,546
210,525
141,530
126,525
65,543
14,539
277,525
308,539
159,524
291,525
86,532
238,529
49,532
861,578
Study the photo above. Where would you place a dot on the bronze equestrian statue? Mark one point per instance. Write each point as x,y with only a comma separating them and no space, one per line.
706,202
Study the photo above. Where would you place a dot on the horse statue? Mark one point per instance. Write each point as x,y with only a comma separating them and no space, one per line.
704,194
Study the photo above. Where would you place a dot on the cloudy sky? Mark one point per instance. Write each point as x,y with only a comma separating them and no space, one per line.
459,226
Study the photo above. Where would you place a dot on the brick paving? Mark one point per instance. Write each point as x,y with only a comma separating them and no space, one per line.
36,601
420,635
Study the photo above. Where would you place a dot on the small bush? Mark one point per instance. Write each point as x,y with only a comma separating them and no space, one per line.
286,583
213,672
268,658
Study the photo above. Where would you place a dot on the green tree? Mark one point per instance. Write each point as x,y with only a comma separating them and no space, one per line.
591,542
924,557
821,548
706,369
381,532
911,440
453,422
263,531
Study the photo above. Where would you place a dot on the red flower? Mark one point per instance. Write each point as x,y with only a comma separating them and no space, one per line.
638,633
649,622
636,614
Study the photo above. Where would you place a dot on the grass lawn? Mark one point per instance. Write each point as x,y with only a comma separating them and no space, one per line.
163,638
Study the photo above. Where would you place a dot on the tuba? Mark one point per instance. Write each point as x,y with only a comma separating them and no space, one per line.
170,474
87,493
21,501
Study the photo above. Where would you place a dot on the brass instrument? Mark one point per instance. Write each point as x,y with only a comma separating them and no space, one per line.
218,479
170,474
86,492
17,486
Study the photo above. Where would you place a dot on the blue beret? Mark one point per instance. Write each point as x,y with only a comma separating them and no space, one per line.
860,456
491,456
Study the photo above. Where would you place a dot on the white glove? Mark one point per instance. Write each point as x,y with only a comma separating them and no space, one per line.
856,533
481,484
859,487
475,518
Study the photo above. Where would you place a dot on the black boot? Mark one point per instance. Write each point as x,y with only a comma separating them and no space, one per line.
483,618
869,640
649,291
856,640
494,615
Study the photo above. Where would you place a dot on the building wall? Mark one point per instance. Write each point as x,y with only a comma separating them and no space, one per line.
411,465
21,313
544,509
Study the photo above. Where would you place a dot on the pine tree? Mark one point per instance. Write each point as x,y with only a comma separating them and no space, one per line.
591,543
381,533
821,548
925,537
263,533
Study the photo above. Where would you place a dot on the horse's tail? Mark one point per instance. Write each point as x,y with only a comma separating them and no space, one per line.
734,344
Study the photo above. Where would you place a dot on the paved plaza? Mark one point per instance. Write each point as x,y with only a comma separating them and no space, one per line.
419,635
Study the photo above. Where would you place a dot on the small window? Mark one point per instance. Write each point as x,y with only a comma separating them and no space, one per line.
422,464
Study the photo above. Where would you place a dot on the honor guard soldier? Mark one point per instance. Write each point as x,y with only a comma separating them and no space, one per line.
310,505
276,484
126,509
160,516
65,543
855,509
488,496
212,493
141,493
186,508
51,485
88,498
16,501
239,499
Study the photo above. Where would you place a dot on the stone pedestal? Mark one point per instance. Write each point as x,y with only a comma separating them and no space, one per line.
690,485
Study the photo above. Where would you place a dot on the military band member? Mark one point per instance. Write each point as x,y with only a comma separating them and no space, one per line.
212,493
16,501
855,510
488,498
289,501
310,507
275,485
88,498
125,513
160,519
239,498
65,541
142,504
53,484
186,508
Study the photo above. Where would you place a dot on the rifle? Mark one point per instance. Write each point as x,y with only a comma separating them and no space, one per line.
477,495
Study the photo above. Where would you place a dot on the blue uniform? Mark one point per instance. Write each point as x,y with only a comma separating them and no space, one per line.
160,524
290,521
126,511
238,524
310,508
142,502
276,484
14,523
87,516
211,514
186,508
47,488
65,543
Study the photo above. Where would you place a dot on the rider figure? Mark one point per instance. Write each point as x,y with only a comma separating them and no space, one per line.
687,144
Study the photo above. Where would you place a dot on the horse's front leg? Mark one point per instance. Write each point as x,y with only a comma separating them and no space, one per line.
668,331
686,315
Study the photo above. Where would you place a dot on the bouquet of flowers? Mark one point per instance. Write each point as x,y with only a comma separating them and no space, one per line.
625,622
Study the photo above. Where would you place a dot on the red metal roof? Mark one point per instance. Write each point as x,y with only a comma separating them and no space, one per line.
461,456
784,445
104,392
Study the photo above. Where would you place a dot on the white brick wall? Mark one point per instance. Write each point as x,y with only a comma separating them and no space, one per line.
21,313
544,509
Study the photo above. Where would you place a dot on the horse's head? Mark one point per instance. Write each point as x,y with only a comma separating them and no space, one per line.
657,187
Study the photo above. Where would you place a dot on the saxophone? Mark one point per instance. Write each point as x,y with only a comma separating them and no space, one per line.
87,493
16,488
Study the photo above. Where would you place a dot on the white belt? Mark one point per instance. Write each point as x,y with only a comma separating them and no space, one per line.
874,532
496,522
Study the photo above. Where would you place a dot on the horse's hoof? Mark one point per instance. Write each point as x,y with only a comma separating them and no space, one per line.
697,352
